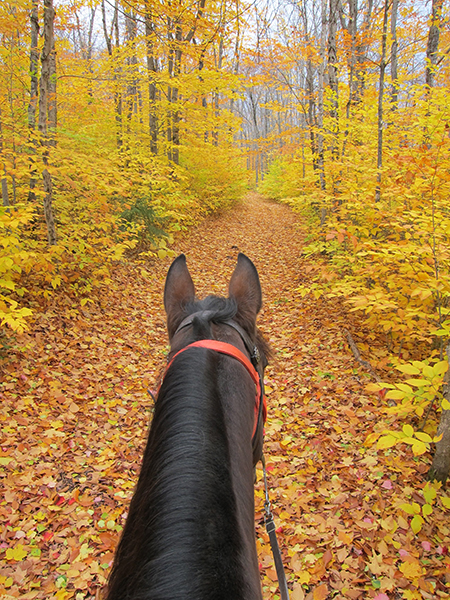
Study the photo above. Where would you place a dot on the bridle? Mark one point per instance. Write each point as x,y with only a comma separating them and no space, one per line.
251,363
254,368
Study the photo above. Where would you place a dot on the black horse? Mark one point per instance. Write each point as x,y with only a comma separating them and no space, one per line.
190,531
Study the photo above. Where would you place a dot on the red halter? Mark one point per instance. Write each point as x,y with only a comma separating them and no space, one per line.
234,352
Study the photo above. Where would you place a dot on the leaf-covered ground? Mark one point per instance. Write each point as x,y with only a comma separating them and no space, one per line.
75,410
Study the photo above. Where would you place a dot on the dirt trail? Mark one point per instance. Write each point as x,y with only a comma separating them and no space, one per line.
77,409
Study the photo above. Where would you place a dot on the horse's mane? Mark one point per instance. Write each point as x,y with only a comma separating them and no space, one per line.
182,539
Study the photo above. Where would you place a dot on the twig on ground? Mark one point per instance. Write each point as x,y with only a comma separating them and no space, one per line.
357,355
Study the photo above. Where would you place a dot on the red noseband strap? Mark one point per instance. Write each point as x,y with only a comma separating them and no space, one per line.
234,352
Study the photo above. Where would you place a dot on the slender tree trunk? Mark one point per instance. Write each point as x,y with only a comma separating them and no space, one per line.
352,31
5,197
34,93
361,53
175,97
394,60
440,467
332,74
131,92
380,102
433,41
117,70
151,70
320,137
215,133
46,69
170,71
34,65
201,64
51,99
174,69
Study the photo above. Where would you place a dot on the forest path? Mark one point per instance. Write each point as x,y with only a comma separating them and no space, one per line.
76,406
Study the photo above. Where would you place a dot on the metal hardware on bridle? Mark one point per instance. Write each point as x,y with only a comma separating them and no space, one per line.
270,528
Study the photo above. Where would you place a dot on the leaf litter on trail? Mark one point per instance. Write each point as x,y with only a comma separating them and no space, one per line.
75,412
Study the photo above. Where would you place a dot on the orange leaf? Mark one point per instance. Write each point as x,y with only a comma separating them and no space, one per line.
320,592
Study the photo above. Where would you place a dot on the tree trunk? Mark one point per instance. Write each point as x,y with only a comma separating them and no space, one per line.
320,140
361,53
34,65
352,31
332,74
433,41
5,197
174,71
51,94
34,92
116,76
49,15
131,93
151,70
380,102
394,60
440,467
175,97
215,133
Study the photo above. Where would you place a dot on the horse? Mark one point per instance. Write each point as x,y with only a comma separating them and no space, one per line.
190,530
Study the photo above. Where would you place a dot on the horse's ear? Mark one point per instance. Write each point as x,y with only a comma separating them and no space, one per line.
178,291
245,288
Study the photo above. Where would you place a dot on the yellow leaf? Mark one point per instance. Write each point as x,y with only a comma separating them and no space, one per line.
387,441
445,404
424,437
411,569
162,253
18,553
440,367
408,369
416,524
419,382
418,448
370,439
408,430
395,395
411,509
304,577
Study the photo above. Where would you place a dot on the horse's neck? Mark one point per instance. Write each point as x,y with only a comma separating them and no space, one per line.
190,530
